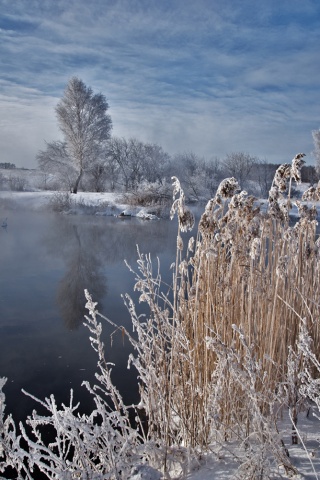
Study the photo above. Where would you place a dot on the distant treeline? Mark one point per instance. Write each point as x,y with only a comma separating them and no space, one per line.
7,166
309,174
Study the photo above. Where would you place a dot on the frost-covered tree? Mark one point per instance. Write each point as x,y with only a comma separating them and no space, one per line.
190,169
262,174
156,164
121,152
316,152
132,162
199,177
96,177
239,165
86,126
213,176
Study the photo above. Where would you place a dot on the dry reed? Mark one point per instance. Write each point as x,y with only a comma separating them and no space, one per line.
248,270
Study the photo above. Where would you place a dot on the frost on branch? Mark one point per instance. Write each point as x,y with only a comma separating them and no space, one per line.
102,445
11,453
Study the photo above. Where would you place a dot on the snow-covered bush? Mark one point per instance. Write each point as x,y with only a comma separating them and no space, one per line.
61,201
149,194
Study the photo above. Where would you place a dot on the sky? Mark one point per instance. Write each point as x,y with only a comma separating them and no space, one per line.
210,77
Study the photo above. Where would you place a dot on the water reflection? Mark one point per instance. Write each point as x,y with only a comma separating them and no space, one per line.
83,268
89,247
46,262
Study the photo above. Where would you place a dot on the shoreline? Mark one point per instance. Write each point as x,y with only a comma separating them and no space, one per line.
82,203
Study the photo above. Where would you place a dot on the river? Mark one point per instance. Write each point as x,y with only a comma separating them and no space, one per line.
46,261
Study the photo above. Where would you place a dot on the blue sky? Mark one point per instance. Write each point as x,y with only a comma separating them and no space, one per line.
207,76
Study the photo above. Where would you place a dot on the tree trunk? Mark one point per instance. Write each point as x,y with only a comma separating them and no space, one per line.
74,189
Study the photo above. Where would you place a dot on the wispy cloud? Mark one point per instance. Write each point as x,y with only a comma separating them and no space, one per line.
212,76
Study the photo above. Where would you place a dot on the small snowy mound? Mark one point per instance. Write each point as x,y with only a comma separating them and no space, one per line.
144,472
142,213
146,216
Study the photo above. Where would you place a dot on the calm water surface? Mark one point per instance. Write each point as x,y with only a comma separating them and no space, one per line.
46,262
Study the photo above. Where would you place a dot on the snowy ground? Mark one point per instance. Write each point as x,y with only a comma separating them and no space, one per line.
305,456
81,203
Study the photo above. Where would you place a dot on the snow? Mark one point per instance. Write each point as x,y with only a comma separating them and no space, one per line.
41,200
103,204
220,465
144,472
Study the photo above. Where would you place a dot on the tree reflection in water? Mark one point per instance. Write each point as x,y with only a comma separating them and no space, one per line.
88,245
83,268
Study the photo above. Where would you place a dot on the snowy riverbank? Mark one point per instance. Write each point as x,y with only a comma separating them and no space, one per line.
108,204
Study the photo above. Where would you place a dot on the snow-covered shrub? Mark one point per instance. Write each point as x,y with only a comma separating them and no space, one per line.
149,194
61,201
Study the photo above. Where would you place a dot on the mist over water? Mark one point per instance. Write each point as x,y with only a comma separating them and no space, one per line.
46,262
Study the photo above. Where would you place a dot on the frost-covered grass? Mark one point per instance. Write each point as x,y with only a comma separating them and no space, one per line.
227,357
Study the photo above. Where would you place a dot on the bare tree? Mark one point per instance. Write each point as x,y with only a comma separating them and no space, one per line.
129,156
131,162
118,153
190,169
239,165
86,126
263,173
111,166
213,175
156,164
97,177
136,162
56,161
17,183
199,176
